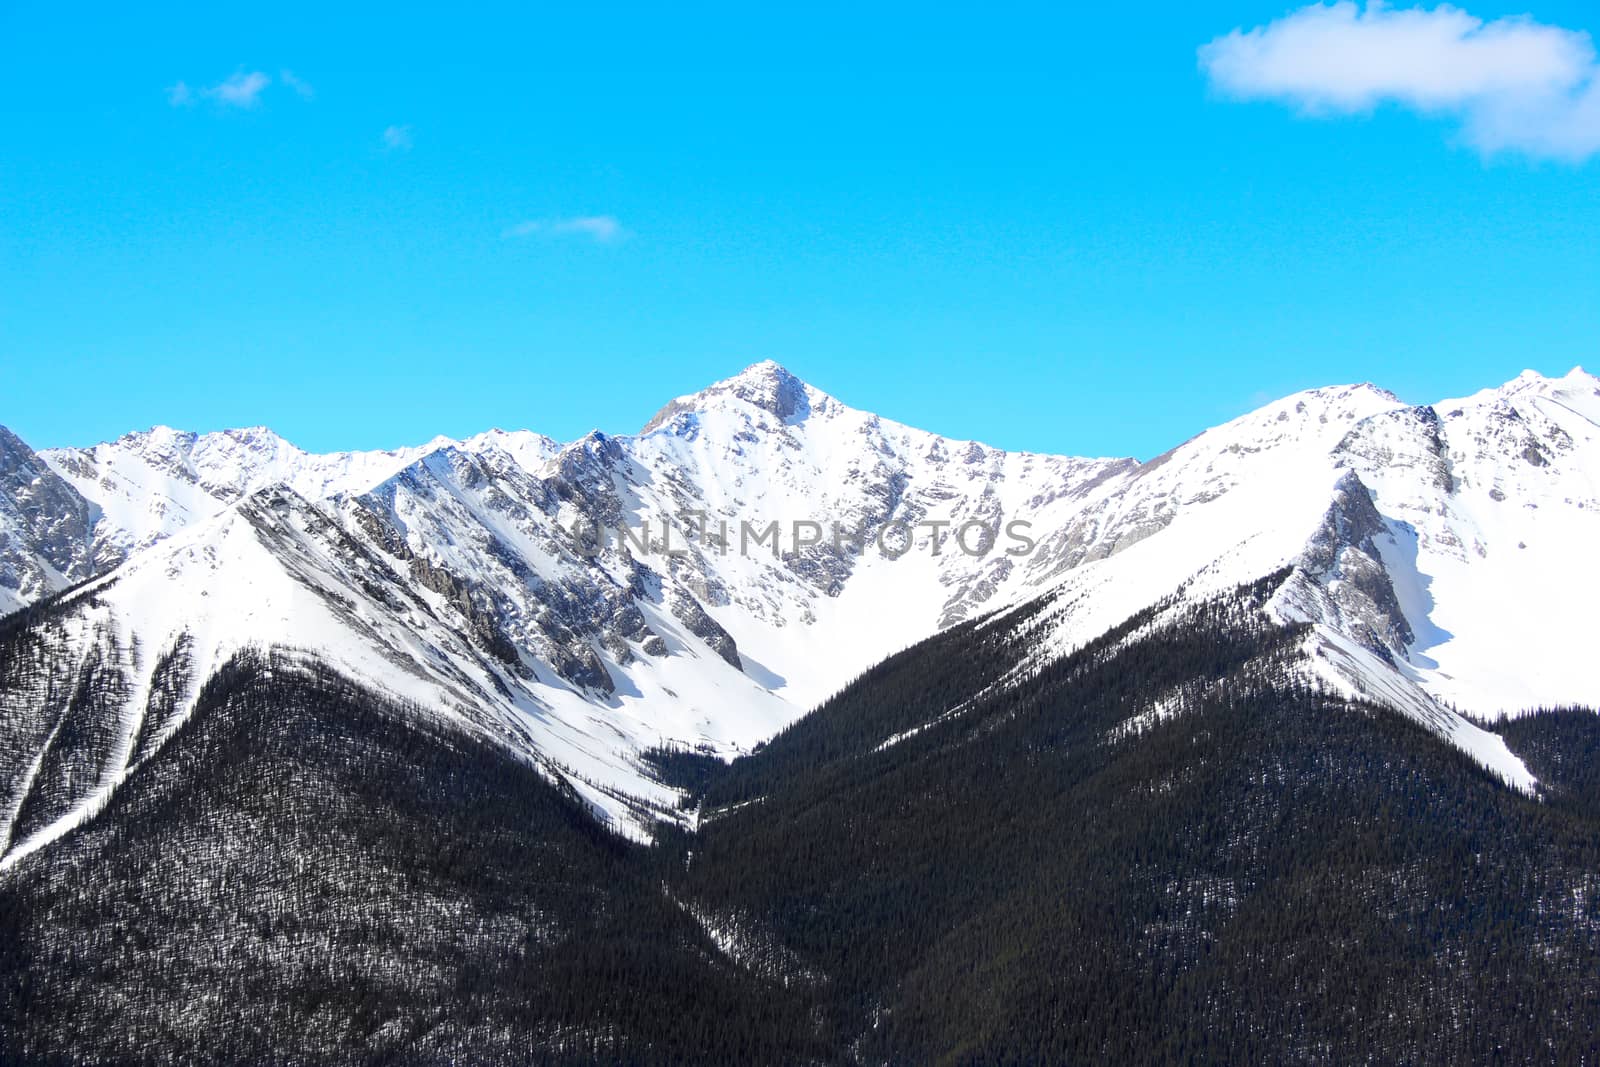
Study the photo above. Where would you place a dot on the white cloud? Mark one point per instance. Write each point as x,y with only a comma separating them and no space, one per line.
1513,84
397,138
240,90
603,229
600,227
301,87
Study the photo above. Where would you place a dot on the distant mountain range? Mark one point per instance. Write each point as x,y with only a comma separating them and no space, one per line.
842,601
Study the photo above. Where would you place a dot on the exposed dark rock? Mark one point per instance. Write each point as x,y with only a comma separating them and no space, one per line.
48,531
1343,559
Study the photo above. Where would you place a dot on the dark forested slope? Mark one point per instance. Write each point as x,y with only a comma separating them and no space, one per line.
1264,874
309,874
1166,847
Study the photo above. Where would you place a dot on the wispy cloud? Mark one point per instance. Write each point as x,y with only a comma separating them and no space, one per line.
301,87
243,89
1512,84
397,138
603,229
240,90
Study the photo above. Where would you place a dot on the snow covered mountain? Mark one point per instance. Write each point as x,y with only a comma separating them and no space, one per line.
1438,550
151,484
758,544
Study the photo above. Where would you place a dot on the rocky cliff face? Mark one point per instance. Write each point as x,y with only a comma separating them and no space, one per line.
50,536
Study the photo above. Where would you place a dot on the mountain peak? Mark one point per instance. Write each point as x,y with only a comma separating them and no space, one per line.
766,385
770,387
1322,406
1532,379
160,435
1528,379
763,369
1530,383
1356,391
11,442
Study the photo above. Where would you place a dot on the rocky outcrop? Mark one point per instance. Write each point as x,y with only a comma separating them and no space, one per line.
1343,570
49,537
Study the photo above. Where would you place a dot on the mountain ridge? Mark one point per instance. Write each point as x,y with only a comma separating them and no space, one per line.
457,575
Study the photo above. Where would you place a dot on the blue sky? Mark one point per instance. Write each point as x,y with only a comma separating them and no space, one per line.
1045,227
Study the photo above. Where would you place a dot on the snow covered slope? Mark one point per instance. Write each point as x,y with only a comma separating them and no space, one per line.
1444,554
913,531
1234,504
151,484
759,543
1491,508
274,571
